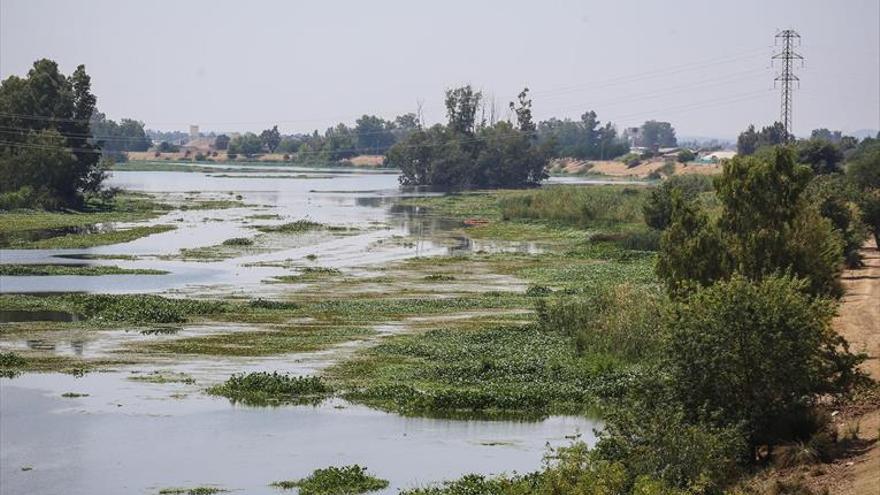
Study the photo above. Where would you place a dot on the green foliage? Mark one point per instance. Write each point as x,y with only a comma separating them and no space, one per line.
465,155
52,269
615,320
766,225
837,200
247,144
821,155
755,355
263,388
238,241
655,441
584,139
656,134
863,171
345,480
85,240
301,225
686,155
221,142
115,139
269,139
576,205
134,308
658,207
47,136
750,141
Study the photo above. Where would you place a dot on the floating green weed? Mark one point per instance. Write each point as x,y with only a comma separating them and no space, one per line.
238,241
302,225
345,480
262,388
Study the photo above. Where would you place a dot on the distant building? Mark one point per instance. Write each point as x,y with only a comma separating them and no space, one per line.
633,135
193,132
716,156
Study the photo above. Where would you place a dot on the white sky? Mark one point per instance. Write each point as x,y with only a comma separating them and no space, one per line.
704,65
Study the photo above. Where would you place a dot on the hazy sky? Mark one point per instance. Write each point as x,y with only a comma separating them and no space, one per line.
245,65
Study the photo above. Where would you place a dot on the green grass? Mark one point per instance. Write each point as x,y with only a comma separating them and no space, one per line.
162,377
345,480
81,270
262,388
128,207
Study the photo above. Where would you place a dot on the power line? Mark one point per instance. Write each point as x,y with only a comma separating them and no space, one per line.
787,77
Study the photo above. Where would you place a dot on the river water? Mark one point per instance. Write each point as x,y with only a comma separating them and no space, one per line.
137,437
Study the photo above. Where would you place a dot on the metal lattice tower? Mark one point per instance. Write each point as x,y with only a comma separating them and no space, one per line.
786,77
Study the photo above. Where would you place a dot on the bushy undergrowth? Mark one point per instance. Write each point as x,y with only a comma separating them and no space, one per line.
577,206
263,388
345,480
621,320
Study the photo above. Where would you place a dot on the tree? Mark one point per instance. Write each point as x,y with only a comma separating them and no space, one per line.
756,355
461,109
47,108
656,134
750,141
747,142
247,144
863,171
221,142
523,111
837,199
822,155
658,208
373,134
766,225
686,155
270,139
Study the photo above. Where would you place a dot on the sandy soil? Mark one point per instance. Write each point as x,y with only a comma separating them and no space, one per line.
859,323
857,472
620,169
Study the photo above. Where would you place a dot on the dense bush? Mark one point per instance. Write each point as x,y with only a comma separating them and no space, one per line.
50,150
262,388
766,225
755,355
658,206
621,320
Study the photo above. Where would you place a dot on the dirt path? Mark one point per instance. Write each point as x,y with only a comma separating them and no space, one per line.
859,323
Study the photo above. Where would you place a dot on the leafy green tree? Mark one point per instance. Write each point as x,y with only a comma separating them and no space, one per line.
35,111
656,134
166,147
221,142
822,155
374,134
462,105
692,251
508,157
837,199
755,355
766,225
247,144
863,171
269,139
747,142
686,155
523,111
658,208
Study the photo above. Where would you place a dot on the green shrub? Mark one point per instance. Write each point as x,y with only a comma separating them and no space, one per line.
575,205
238,241
756,354
263,388
620,320
345,480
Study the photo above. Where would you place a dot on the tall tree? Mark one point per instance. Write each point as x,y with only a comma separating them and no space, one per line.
462,105
270,139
